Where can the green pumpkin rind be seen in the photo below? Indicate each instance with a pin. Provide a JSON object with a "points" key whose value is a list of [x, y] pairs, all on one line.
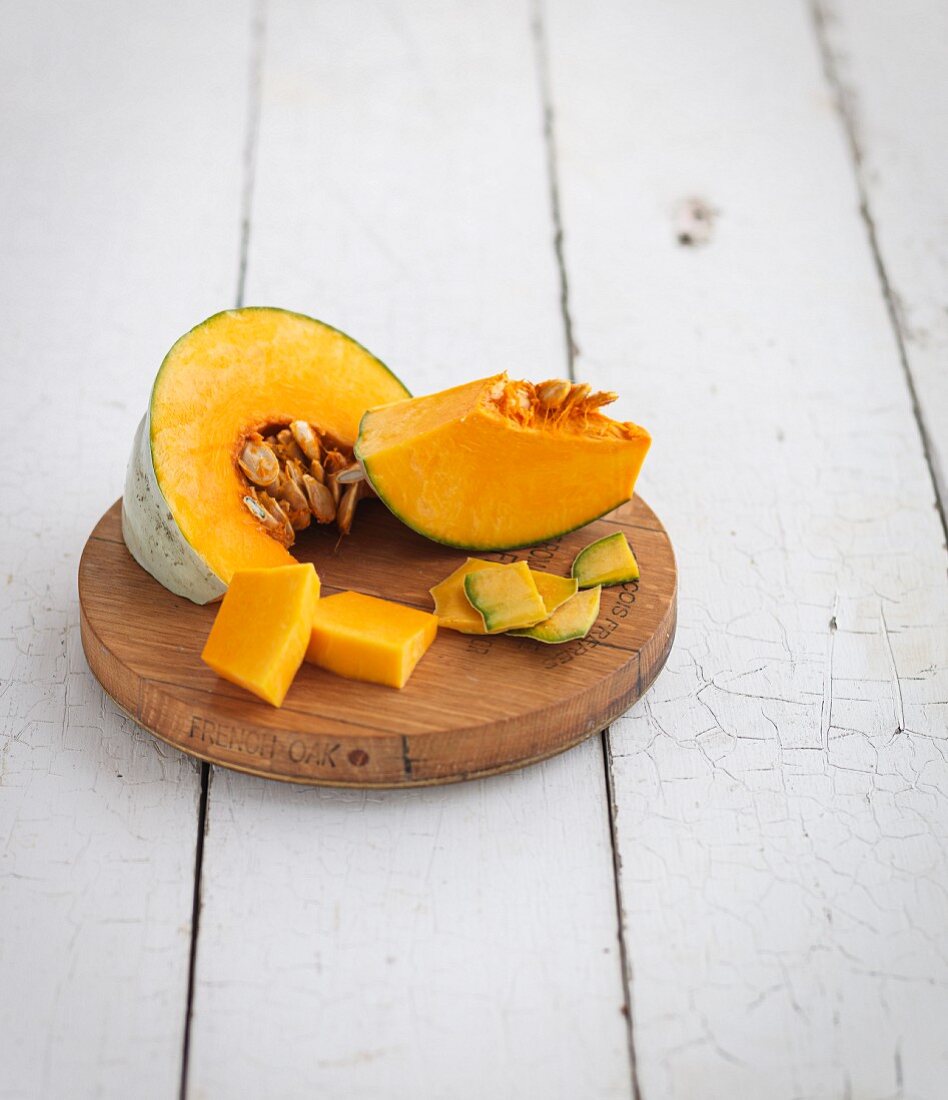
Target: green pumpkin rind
{"points": [[616, 547], [571, 620]]}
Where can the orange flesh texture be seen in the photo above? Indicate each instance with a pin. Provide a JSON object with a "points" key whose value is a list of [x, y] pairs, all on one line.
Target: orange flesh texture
{"points": [[237, 372], [262, 628], [554, 590], [460, 471], [506, 597], [365, 638]]}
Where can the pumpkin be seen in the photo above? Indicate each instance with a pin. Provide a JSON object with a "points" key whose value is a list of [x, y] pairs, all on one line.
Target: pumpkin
{"points": [[571, 620], [262, 629], [606, 561], [498, 464], [366, 638], [247, 439], [454, 609], [505, 597], [451, 604]]}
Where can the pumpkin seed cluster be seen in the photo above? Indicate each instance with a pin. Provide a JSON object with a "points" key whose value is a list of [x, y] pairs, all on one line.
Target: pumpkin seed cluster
{"points": [[558, 404], [295, 475]]}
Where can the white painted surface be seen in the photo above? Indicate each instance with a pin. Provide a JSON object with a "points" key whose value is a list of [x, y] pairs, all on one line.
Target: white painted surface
{"points": [[783, 792], [119, 214], [891, 61], [781, 796], [448, 943]]}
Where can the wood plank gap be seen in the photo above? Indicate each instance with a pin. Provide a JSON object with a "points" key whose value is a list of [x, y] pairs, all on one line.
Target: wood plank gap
{"points": [[612, 810], [844, 100], [549, 142], [195, 923]]}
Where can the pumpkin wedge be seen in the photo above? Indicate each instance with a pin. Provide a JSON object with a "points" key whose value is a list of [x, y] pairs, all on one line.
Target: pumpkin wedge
{"points": [[247, 439], [571, 620], [454, 609], [498, 464], [451, 605], [606, 561], [505, 597]]}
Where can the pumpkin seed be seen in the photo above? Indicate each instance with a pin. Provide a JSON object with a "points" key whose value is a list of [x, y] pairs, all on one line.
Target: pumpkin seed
{"points": [[335, 461], [256, 509], [279, 526], [306, 439], [259, 463], [553, 393], [347, 506], [287, 490], [577, 396], [349, 475], [320, 499], [597, 400], [289, 445]]}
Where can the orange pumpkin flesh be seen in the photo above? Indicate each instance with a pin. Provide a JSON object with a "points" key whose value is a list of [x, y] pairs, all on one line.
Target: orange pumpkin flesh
{"points": [[488, 466], [262, 629], [238, 372], [366, 638]]}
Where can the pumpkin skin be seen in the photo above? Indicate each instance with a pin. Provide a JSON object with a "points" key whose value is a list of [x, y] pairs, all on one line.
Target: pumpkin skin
{"points": [[454, 610], [183, 517], [465, 468], [605, 562], [571, 620], [505, 597]]}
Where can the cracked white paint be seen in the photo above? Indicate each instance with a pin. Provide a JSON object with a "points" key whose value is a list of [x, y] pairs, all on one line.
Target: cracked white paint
{"points": [[891, 62], [117, 218], [782, 794]]}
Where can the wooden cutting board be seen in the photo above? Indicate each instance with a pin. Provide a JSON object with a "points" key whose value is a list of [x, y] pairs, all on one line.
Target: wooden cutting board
{"points": [[475, 706]]}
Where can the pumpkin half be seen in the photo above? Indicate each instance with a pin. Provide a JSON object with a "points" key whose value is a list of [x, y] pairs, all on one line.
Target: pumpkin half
{"points": [[498, 464], [190, 512]]}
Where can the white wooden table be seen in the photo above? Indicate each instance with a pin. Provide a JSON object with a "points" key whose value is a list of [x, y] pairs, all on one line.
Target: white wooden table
{"points": [[741, 889]]}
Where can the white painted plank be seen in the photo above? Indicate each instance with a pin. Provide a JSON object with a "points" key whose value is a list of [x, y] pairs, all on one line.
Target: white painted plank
{"points": [[458, 942], [783, 792], [891, 61], [119, 221]]}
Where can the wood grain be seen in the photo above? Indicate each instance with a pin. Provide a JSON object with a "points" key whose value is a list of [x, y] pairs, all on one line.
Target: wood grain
{"points": [[474, 706]]}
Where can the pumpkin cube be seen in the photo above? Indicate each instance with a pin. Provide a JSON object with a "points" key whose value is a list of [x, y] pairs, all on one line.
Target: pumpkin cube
{"points": [[260, 635], [365, 638]]}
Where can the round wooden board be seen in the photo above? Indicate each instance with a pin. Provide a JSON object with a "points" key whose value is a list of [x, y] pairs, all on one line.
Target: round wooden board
{"points": [[475, 706]]}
